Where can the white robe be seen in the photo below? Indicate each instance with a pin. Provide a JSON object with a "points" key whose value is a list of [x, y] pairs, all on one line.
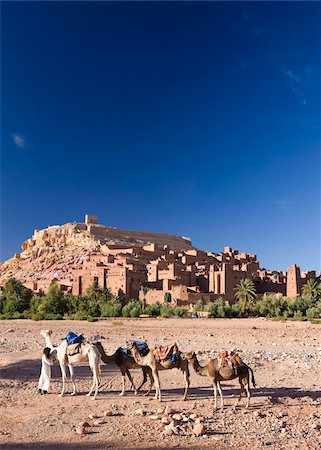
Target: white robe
{"points": [[45, 374]]}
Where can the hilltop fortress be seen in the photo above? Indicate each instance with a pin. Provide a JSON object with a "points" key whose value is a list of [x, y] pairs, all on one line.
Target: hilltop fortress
{"points": [[76, 254]]}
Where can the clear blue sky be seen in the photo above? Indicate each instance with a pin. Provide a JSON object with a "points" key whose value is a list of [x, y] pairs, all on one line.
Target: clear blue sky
{"points": [[197, 119]]}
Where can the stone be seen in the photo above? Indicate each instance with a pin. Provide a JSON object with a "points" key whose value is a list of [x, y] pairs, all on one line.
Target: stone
{"points": [[199, 420], [83, 423], [139, 412], [81, 430], [199, 429], [177, 417], [169, 410], [154, 417], [92, 416], [166, 420], [108, 413]]}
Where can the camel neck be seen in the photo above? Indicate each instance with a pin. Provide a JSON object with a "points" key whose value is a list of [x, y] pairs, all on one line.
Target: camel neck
{"points": [[107, 359], [48, 342], [198, 368], [137, 356]]}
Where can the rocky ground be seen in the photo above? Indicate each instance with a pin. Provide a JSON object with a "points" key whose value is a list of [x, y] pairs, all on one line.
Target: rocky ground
{"points": [[285, 411]]}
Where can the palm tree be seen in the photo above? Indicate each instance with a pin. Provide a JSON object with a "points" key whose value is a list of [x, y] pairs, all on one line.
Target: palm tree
{"points": [[144, 290], [312, 287], [245, 294], [167, 297]]}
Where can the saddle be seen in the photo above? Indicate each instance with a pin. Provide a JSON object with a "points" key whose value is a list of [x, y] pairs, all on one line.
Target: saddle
{"points": [[73, 349], [230, 360], [141, 345], [74, 342], [166, 352]]}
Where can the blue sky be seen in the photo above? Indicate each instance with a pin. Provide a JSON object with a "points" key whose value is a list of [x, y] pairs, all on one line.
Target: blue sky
{"points": [[197, 119]]}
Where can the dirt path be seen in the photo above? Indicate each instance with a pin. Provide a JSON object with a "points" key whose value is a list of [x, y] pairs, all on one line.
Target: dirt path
{"points": [[285, 410]]}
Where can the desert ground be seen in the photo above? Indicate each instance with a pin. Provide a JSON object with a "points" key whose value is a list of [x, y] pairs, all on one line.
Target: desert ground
{"points": [[285, 409]]}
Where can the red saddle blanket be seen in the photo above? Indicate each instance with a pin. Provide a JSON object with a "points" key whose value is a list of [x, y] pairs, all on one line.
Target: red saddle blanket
{"points": [[163, 352], [230, 360]]}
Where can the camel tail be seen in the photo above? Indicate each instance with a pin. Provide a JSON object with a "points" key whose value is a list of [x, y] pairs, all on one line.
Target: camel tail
{"points": [[252, 376]]}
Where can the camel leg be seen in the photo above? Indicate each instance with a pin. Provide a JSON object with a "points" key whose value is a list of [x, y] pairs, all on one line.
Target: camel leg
{"points": [[72, 377], [131, 381], [151, 383], [123, 376], [248, 394], [95, 383], [187, 383], [63, 376], [143, 382], [215, 394], [241, 391], [221, 394], [158, 395]]}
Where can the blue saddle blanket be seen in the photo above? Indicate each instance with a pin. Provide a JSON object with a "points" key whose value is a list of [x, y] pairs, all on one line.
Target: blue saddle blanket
{"points": [[73, 338], [141, 345]]}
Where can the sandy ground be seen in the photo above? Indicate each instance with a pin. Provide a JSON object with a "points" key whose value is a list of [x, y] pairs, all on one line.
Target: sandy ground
{"points": [[285, 411]]}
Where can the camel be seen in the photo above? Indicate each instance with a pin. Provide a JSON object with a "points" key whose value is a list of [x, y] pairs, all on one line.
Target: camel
{"points": [[155, 365], [125, 363], [88, 353], [217, 374]]}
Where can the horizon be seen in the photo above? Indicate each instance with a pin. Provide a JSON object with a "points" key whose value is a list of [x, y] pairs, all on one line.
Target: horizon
{"points": [[193, 119]]}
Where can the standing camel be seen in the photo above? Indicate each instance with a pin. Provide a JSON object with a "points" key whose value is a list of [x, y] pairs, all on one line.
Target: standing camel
{"points": [[125, 363], [155, 365], [88, 353], [216, 373]]}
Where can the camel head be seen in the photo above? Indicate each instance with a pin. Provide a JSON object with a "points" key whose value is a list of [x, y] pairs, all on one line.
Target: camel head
{"points": [[190, 356], [131, 345], [45, 333]]}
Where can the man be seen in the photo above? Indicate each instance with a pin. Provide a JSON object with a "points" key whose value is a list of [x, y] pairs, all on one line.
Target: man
{"points": [[47, 361]]}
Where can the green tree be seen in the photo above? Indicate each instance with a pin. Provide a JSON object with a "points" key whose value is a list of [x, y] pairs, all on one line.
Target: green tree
{"points": [[312, 287], [245, 294], [144, 290], [132, 309], [153, 309], [15, 298], [167, 297], [54, 302]]}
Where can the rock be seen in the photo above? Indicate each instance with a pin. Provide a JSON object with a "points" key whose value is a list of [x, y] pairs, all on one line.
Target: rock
{"points": [[96, 423], [199, 429], [160, 410], [177, 417], [193, 416], [168, 431], [139, 412], [92, 416], [108, 413], [154, 417], [83, 423], [169, 410], [166, 420], [81, 430], [199, 420]]}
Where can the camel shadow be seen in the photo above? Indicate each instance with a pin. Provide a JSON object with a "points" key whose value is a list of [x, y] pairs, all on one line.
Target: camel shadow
{"points": [[278, 395], [29, 370], [87, 446]]}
